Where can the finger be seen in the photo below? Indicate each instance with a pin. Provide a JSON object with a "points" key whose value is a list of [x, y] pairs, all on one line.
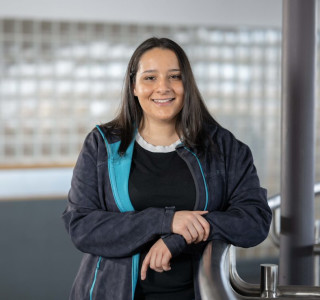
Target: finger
{"points": [[156, 266], [187, 236], [206, 226], [153, 261], [166, 262], [166, 268], [193, 232], [159, 270], [199, 239], [158, 261], [200, 231], [145, 266]]}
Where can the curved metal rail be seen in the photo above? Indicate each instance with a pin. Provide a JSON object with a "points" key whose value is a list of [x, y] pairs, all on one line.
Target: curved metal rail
{"points": [[213, 278], [216, 283], [274, 203], [239, 285]]}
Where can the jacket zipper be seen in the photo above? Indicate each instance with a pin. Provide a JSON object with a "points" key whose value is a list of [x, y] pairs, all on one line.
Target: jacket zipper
{"points": [[135, 269], [203, 177], [95, 277]]}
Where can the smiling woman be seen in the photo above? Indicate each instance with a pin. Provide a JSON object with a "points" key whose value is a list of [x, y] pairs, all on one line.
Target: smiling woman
{"points": [[153, 186], [160, 92]]}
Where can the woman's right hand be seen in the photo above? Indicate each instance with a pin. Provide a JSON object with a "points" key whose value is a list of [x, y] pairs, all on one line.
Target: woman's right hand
{"points": [[191, 225]]}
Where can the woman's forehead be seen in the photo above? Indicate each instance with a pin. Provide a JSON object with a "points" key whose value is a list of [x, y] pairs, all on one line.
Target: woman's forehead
{"points": [[157, 59]]}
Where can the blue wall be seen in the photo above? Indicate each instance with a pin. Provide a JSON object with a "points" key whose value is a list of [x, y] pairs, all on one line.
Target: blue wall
{"points": [[38, 260]]}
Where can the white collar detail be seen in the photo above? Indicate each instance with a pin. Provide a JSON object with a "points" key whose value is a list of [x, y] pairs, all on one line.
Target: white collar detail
{"points": [[152, 148]]}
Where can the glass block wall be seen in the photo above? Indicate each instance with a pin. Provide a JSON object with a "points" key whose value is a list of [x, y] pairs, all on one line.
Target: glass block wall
{"points": [[59, 79]]}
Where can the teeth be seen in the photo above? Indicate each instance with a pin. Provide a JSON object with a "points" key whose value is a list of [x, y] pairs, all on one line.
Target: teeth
{"points": [[162, 100]]}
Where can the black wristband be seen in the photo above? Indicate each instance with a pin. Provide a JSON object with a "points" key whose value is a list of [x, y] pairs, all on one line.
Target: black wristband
{"points": [[167, 220]]}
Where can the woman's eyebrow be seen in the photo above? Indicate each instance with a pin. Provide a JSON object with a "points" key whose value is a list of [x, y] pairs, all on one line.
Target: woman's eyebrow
{"points": [[149, 71], [154, 71]]}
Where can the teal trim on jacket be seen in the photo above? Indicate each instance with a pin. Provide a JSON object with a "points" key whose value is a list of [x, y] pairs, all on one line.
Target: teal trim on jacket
{"points": [[119, 172]]}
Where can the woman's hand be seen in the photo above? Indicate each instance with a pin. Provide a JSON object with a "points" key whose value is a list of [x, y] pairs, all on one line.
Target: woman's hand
{"points": [[158, 259], [191, 225]]}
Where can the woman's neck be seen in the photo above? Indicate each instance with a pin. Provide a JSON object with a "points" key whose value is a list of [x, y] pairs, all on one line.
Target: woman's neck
{"points": [[158, 134]]}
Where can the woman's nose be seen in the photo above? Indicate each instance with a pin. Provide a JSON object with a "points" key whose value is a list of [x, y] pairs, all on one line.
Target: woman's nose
{"points": [[163, 85]]}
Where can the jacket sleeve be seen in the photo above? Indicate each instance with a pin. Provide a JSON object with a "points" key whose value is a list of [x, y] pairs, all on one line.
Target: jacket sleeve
{"points": [[97, 231], [246, 218]]}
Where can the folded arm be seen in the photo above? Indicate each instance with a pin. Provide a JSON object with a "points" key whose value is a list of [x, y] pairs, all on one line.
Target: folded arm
{"points": [[98, 231]]}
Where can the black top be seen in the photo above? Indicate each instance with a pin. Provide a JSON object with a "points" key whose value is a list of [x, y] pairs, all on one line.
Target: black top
{"points": [[160, 180]]}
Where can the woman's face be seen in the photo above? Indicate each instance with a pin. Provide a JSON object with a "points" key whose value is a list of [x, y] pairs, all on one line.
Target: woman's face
{"points": [[159, 86]]}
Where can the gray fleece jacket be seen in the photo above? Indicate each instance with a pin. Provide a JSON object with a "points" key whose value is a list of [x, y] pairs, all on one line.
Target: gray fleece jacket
{"points": [[102, 222]]}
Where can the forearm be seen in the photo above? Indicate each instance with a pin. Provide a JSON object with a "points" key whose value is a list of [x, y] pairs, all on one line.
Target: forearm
{"points": [[115, 234], [244, 224]]}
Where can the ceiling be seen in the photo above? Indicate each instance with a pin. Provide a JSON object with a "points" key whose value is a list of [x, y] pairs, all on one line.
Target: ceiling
{"points": [[179, 12]]}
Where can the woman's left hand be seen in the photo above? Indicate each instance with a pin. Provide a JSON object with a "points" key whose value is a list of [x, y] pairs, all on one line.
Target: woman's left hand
{"points": [[158, 259]]}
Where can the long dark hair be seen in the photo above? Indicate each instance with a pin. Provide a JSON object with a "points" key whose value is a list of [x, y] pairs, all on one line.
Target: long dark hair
{"points": [[191, 119]]}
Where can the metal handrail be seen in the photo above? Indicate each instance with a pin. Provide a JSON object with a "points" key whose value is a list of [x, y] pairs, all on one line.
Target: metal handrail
{"points": [[213, 278], [239, 285], [274, 203], [216, 283], [249, 289]]}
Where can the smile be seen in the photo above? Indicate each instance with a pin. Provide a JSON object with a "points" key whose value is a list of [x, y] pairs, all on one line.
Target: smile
{"points": [[163, 100]]}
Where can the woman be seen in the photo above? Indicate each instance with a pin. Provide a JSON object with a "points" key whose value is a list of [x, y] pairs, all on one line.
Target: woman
{"points": [[152, 187]]}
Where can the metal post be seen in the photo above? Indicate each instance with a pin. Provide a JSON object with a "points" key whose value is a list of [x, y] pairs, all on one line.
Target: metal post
{"points": [[268, 281], [316, 254], [298, 142]]}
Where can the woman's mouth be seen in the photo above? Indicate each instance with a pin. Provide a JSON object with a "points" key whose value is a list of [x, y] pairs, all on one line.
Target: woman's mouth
{"points": [[161, 101]]}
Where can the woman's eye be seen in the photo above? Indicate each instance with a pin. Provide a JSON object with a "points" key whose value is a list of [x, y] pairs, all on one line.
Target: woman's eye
{"points": [[150, 78], [176, 76]]}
